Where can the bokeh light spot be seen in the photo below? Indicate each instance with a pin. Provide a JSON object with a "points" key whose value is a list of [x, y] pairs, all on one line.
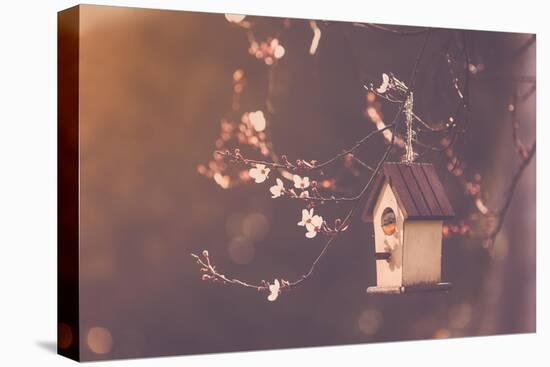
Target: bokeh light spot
{"points": [[499, 251], [241, 250], [100, 340], [370, 321], [257, 119], [279, 52], [255, 226], [238, 75], [233, 225], [460, 315], [371, 97], [222, 180], [442, 333], [64, 335]]}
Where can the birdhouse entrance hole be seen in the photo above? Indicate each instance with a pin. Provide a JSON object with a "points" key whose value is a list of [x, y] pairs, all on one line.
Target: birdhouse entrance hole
{"points": [[388, 222]]}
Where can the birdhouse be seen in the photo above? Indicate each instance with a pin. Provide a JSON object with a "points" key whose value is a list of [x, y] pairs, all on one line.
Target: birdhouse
{"points": [[407, 207]]}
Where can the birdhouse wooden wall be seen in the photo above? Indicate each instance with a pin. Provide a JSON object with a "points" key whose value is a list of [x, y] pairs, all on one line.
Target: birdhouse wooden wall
{"points": [[414, 247], [422, 252], [388, 273]]}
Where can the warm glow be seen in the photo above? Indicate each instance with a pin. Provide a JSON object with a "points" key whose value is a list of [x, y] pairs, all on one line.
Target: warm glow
{"points": [[100, 340], [442, 333], [279, 51], [238, 88], [222, 180], [327, 184], [374, 115], [238, 75], [257, 120], [371, 97], [65, 336]]}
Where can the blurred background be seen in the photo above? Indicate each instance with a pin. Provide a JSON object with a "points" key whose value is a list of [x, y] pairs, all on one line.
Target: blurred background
{"points": [[154, 86]]}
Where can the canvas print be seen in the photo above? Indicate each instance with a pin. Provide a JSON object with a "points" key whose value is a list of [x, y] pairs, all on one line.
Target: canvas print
{"points": [[236, 182]]}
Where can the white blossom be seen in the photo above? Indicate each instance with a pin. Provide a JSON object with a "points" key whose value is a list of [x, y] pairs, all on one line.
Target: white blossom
{"points": [[259, 173], [234, 18], [278, 189], [312, 222], [385, 84], [306, 217], [274, 290], [314, 226], [300, 182]]}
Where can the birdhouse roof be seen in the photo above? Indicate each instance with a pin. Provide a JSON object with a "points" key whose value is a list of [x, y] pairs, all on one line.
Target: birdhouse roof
{"points": [[418, 190]]}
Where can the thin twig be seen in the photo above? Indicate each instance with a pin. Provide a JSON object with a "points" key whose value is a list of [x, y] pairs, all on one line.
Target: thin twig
{"points": [[302, 165], [347, 220], [213, 275], [363, 164]]}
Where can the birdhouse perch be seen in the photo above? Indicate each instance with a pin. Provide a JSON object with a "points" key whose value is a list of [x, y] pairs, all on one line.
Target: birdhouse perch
{"points": [[407, 207]]}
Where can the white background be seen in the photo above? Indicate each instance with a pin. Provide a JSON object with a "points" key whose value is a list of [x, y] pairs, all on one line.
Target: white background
{"points": [[28, 182]]}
